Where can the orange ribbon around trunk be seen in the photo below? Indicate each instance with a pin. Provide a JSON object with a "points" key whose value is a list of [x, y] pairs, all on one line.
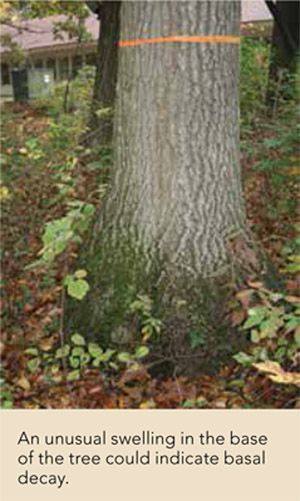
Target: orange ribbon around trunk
{"points": [[180, 38]]}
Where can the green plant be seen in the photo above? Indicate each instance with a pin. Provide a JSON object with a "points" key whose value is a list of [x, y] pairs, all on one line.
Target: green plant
{"points": [[197, 339], [254, 78], [7, 399], [68, 229], [199, 403], [73, 358], [273, 325], [291, 252], [150, 325], [76, 94], [76, 284]]}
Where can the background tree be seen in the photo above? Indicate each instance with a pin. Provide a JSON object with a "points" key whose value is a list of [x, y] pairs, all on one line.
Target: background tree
{"points": [[100, 123], [285, 47]]}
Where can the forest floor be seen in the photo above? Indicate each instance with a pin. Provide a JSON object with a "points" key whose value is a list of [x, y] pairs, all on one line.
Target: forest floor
{"points": [[40, 169]]}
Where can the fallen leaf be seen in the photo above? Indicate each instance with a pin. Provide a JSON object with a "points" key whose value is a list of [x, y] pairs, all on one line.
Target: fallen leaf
{"points": [[24, 383], [237, 317], [221, 404], [256, 285], [275, 372], [245, 296], [96, 389], [292, 299], [149, 404], [47, 343]]}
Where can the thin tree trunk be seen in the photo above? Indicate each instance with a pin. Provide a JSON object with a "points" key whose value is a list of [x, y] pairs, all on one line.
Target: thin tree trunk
{"points": [[284, 51], [100, 127]]}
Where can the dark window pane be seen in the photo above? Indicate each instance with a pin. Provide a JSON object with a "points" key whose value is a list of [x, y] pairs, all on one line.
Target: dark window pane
{"points": [[38, 64], [50, 65]]}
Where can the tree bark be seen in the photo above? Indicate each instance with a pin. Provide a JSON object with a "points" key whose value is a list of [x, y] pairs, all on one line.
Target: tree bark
{"points": [[101, 127], [176, 182], [174, 219]]}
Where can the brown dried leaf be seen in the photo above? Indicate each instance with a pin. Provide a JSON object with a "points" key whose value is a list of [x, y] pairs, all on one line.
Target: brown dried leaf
{"points": [[245, 296], [24, 383], [292, 299], [256, 285], [274, 372], [47, 343], [221, 404], [292, 285], [237, 317]]}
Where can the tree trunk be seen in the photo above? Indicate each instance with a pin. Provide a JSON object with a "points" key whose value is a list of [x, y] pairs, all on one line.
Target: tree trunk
{"points": [[175, 218], [100, 127], [284, 51], [176, 184]]}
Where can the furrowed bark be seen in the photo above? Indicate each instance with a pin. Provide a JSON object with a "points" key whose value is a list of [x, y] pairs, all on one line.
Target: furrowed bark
{"points": [[173, 225], [176, 183]]}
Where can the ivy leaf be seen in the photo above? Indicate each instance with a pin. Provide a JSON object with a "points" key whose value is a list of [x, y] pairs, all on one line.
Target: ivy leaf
{"points": [[255, 338], [78, 340], [196, 339], [105, 357], [84, 359], [77, 352], [256, 316], [124, 357], [77, 288], [8, 404], [141, 352], [291, 324], [188, 404], [88, 210], [243, 359], [292, 268], [63, 351], [297, 336], [33, 364], [74, 362], [73, 375], [269, 328], [96, 362], [32, 351], [80, 274], [94, 350]]}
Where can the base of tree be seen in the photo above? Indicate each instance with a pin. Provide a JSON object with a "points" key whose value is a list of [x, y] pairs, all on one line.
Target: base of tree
{"points": [[195, 334]]}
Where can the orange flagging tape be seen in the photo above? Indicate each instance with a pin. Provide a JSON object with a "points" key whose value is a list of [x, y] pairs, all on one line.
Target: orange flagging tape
{"points": [[180, 38]]}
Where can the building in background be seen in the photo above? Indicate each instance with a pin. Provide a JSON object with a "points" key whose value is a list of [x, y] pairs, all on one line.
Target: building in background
{"points": [[48, 59]]}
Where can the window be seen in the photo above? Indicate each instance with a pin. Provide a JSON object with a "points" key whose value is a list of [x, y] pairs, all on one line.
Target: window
{"points": [[50, 65], [38, 64], [5, 75]]}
